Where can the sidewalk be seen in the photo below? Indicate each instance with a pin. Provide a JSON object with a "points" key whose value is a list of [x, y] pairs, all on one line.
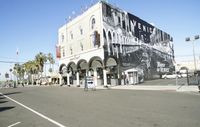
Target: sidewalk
{"points": [[182, 88], [178, 88]]}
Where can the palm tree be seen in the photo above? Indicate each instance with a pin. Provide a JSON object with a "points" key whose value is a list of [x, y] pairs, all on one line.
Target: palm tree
{"points": [[51, 61], [40, 59], [19, 72], [36, 66], [15, 72], [31, 68]]}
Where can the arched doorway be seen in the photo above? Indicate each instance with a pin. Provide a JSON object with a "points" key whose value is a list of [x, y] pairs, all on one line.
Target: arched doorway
{"points": [[96, 68], [82, 69], [183, 70], [64, 74], [72, 69], [110, 43], [112, 69], [105, 39]]}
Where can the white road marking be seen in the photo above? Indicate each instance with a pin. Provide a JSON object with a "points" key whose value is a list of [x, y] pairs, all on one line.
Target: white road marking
{"points": [[39, 114], [14, 124]]}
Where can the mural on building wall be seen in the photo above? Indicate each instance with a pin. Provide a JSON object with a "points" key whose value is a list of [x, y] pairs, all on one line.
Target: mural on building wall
{"points": [[136, 43]]}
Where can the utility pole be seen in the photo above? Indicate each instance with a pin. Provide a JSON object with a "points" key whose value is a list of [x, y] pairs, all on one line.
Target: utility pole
{"points": [[189, 39]]}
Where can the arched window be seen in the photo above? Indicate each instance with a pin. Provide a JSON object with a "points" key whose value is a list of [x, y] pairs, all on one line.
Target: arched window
{"points": [[105, 39], [93, 22], [71, 51], [110, 43], [62, 37], [104, 36], [63, 52], [71, 35], [114, 38], [81, 45], [109, 37], [81, 31]]}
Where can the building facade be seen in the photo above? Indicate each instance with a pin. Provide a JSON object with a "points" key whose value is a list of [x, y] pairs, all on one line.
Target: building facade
{"points": [[188, 65], [113, 46]]}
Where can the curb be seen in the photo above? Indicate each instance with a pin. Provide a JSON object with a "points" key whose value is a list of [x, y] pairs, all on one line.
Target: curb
{"points": [[160, 88]]}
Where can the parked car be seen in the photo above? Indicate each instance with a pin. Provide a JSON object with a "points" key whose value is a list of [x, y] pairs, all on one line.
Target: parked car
{"points": [[183, 75], [171, 76], [45, 80]]}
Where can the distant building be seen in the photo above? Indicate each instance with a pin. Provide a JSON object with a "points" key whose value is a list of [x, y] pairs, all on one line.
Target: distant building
{"points": [[113, 46], [189, 65]]}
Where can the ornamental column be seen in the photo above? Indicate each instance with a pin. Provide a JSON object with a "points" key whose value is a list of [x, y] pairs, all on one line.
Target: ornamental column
{"points": [[77, 79], [95, 76], [68, 82], [104, 77]]}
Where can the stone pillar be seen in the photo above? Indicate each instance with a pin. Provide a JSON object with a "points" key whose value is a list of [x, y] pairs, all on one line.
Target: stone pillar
{"points": [[77, 79], [68, 82], [104, 77], [60, 80], [95, 77], [119, 74], [89, 73]]}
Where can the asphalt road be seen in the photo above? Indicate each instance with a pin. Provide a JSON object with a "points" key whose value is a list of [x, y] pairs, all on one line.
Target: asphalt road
{"points": [[73, 107]]}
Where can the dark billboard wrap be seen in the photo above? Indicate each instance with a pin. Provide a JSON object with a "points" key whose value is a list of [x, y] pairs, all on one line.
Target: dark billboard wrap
{"points": [[146, 32], [135, 44], [140, 28]]}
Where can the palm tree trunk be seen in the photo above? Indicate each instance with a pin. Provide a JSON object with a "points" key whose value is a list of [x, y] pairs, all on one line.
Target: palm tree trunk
{"points": [[16, 84]]}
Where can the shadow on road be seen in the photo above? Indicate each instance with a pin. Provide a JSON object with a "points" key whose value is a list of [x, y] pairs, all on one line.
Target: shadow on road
{"points": [[6, 108], [10, 93], [1, 97], [3, 102]]}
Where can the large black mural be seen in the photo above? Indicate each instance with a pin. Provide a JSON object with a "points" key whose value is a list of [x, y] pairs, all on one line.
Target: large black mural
{"points": [[136, 43]]}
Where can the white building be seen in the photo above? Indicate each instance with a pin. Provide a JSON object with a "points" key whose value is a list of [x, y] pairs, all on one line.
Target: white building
{"points": [[113, 46], [188, 64]]}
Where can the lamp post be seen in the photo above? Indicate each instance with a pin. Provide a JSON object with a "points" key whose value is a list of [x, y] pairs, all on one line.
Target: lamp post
{"points": [[11, 74], [188, 39]]}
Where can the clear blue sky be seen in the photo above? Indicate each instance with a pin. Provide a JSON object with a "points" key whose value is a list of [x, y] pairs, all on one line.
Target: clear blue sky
{"points": [[32, 25]]}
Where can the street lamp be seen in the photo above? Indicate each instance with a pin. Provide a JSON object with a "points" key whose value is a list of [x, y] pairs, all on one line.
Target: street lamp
{"points": [[196, 37], [10, 74]]}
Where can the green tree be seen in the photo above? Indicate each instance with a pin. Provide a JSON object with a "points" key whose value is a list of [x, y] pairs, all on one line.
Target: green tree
{"points": [[31, 69], [40, 59], [19, 71], [51, 61]]}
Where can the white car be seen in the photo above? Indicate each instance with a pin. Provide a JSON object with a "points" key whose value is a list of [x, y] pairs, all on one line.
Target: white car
{"points": [[183, 75], [170, 76]]}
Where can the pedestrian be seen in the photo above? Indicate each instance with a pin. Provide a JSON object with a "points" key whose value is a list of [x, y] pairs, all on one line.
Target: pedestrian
{"points": [[23, 84], [127, 82], [86, 84]]}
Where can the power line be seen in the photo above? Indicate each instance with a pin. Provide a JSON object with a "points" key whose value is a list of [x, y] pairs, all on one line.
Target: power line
{"points": [[19, 62], [10, 62], [3, 57], [184, 55]]}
